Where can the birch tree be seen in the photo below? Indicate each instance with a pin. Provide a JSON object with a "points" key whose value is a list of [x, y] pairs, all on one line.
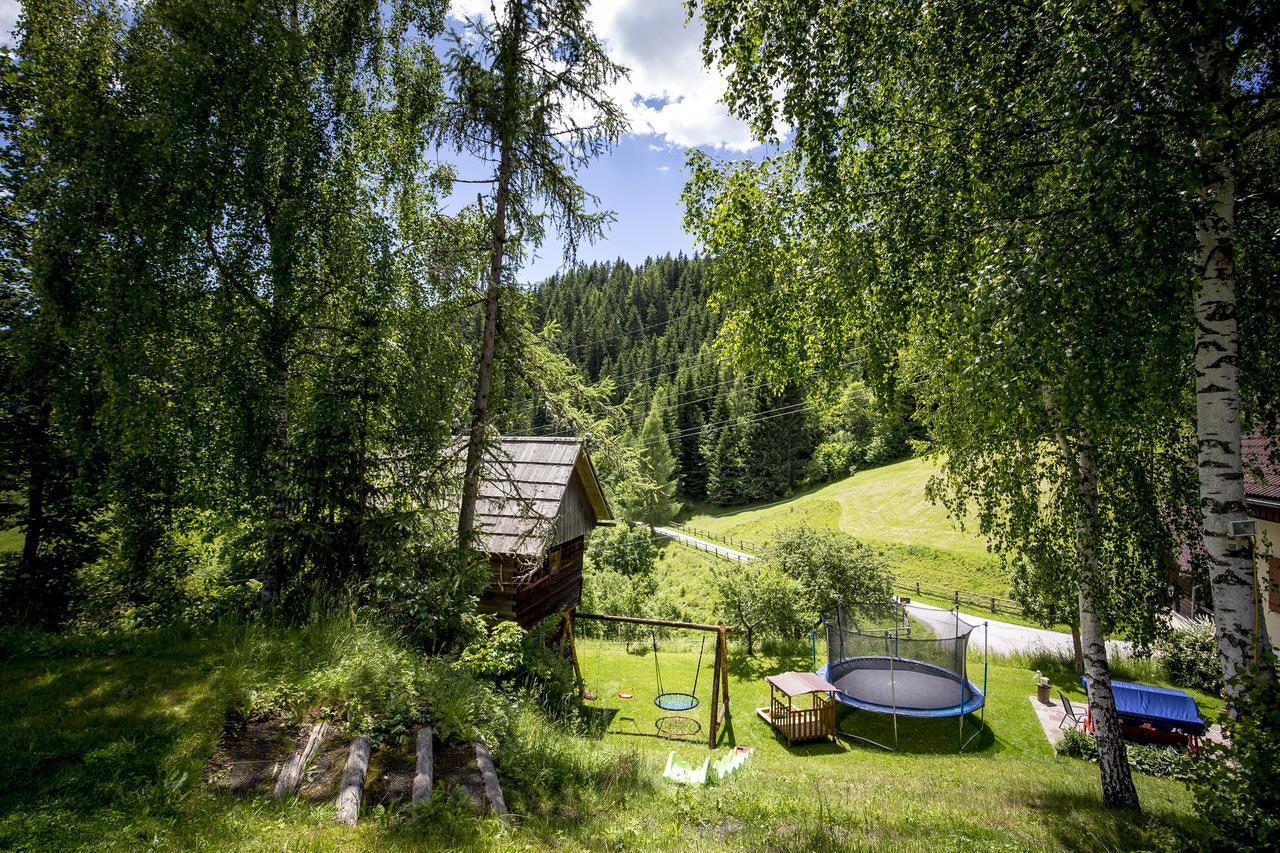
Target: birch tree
{"points": [[1191, 86], [530, 99], [949, 209]]}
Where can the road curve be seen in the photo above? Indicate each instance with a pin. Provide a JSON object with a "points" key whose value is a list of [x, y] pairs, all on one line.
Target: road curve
{"points": [[1002, 637]]}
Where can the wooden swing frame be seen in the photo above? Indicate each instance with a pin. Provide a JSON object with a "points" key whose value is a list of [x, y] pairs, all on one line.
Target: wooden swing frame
{"points": [[719, 707]]}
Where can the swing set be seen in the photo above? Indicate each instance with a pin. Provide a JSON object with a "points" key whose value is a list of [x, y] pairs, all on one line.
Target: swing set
{"points": [[675, 701]]}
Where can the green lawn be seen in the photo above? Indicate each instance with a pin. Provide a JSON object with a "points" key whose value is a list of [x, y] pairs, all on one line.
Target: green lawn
{"points": [[106, 744], [11, 539], [884, 507], [1007, 791]]}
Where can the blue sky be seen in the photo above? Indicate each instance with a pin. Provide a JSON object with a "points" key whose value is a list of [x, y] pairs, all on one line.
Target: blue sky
{"points": [[673, 103]]}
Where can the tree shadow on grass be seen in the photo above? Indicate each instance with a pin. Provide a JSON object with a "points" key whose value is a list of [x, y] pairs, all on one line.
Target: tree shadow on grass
{"points": [[96, 735], [746, 668], [1079, 821], [916, 735]]}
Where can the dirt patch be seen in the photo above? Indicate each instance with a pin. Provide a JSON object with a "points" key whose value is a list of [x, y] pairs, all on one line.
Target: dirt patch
{"points": [[321, 778], [250, 754], [390, 779], [456, 765]]}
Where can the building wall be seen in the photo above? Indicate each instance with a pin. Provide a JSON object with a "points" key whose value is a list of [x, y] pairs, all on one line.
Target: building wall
{"points": [[1267, 550]]}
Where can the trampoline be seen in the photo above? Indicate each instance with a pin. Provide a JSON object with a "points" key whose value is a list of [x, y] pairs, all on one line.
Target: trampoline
{"points": [[917, 668]]}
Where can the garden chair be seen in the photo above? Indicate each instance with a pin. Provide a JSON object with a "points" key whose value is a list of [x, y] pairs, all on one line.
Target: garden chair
{"points": [[1069, 713]]}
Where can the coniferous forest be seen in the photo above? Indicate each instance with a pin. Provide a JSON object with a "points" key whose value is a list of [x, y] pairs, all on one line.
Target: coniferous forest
{"points": [[648, 332]]}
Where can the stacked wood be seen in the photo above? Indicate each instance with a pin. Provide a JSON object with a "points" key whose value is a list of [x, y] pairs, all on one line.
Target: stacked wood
{"points": [[351, 790], [291, 774], [423, 779], [492, 788]]}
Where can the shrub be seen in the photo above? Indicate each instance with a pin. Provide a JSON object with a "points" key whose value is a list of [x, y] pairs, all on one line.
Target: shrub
{"points": [[358, 674], [627, 549], [1165, 761], [1189, 657], [495, 653], [1239, 794]]}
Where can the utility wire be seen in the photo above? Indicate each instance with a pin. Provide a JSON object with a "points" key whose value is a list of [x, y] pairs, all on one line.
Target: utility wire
{"points": [[635, 332]]}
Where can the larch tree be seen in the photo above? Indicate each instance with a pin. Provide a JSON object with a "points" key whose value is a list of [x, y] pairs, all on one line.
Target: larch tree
{"points": [[229, 217], [529, 97]]}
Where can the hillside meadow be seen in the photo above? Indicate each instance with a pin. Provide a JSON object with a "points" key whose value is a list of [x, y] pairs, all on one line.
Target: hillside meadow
{"points": [[125, 762]]}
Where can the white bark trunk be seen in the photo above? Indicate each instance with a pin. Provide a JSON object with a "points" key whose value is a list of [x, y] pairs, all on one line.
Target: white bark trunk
{"points": [[1239, 629], [1118, 790]]}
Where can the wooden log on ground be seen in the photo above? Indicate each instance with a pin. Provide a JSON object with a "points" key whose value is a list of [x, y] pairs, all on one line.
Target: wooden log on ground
{"points": [[351, 790], [423, 778], [291, 774], [492, 788]]}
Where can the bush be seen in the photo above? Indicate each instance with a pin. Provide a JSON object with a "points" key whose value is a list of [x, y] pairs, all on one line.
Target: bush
{"points": [[1164, 761], [359, 675], [1239, 794], [627, 549], [1189, 657]]}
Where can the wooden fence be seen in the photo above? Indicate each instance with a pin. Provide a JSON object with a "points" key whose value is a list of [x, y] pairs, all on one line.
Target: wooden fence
{"points": [[958, 597]]}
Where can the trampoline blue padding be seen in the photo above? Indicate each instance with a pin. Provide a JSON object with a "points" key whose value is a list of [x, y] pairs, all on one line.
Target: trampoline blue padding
{"points": [[905, 686], [1162, 707]]}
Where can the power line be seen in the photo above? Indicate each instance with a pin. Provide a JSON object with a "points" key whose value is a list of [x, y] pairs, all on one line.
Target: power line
{"points": [[632, 332]]}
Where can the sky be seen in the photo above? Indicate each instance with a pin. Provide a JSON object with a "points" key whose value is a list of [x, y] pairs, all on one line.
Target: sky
{"points": [[673, 104]]}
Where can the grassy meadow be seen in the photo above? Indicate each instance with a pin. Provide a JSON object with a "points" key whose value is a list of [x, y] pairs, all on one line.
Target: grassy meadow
{"points": [[884, 507], [108, 744]]}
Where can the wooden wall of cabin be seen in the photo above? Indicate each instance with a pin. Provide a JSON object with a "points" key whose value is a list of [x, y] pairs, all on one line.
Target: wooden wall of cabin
{"points": [[529, 598]]}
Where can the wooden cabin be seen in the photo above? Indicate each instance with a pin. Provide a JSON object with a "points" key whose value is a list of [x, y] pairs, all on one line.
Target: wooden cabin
{"points": [[539, 497]]}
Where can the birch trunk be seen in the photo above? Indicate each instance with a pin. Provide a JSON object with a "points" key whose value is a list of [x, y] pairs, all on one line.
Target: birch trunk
{"points": [[1076, 647], [1118, 790], [1239, 627]]}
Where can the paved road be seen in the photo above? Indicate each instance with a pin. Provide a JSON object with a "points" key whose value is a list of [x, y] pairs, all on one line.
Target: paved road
{"points": [[1006, 637], [1003, 637], [704, 545]]}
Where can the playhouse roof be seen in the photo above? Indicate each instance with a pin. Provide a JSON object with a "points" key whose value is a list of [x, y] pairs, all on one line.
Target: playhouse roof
{"points": [[800, 683]]}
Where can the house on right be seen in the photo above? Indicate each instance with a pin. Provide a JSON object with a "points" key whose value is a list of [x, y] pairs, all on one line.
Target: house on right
{"points": [[1262, 494]]}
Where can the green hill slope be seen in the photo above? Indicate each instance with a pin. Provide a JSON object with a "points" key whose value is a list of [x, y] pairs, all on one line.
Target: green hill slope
{"points": [[885, 507]]}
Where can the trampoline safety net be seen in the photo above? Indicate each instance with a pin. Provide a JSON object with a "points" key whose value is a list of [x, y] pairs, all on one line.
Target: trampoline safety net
{"points": [[920, 666]]}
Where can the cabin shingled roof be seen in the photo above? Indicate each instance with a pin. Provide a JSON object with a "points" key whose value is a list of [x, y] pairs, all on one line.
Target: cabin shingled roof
{"points": [[523, 484]]}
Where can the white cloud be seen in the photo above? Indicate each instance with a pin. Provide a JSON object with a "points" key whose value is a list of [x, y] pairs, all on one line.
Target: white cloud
{"points": [[664, 168], [9, 11], [670, 94]]}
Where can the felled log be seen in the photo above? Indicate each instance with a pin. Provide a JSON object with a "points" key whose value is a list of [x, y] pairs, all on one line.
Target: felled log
{"points": [[423, 778], [351, 790], [291, 774], [492, 788]]}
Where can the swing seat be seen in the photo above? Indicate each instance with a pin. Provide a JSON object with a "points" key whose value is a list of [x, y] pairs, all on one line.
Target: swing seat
{"points": [[675, 701]]}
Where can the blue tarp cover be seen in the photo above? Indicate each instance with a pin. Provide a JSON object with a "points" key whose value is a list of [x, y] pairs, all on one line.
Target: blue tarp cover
{"points": [[1162, 707]]}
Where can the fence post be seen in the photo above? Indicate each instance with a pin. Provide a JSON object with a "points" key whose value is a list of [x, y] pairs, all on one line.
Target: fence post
{"points": [[956, 597]]}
